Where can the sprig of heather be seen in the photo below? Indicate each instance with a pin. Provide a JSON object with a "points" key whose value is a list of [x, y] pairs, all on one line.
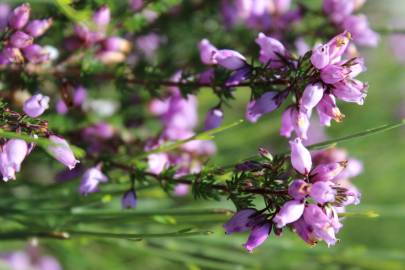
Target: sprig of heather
{"points": [[18, 41]]}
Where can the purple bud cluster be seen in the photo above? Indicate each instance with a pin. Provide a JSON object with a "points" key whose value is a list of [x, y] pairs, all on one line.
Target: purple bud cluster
{"points": [[19, 46], [320, 193], [110, 49]]}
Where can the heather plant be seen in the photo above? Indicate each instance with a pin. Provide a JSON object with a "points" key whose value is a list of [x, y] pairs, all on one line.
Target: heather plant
{"points": [[102, 139]]}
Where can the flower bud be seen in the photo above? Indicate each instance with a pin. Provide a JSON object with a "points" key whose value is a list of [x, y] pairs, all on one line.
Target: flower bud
{"points": [[291, 211], [37, 28], [207, 51], [20, 40], [90, 181], [229, 59], [35, 54], [270, 51], [19, 17], [320, 56], [36, 105], [60, 150], [311, 96], [129, 199], [265, 154], [213, 118], [12, 155], [116, 44], [257, 236], [323, 192], [240, 221], [300, 157]]}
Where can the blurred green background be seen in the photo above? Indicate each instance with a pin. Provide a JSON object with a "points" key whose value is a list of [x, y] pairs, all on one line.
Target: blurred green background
{"points": [[366, 243]]}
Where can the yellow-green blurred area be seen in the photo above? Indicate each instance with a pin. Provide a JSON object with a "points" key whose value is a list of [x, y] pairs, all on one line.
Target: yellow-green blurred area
{"points": [[366, 243]]}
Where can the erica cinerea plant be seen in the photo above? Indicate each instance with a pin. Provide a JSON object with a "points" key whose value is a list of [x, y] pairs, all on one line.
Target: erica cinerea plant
{"points": [[109, 101]]}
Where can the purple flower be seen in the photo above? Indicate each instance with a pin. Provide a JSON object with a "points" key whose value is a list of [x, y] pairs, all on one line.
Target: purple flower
{"points": [[323, 192], [287, 119], [334, 73], [291, 211], [60, 150], [181, 190], [350, 91], [157, 163], [20, 40], [301, 124], [229, 59], [257, 236], [362, 34], [4, 14], [129, 199], [12, 55], [36, 105], [268, 102], [136, 4], [213, 119], [271, 51], [327, 110], [356, 67], [239, 76], [338, 46], [12, 154], [37, 28], [207, 51], [99, 130], [322, 225], [320, 56], [304, 231], [35, 54], [102, 17], [91, 179], [298, 189], [116, 44], [300, 157], [79, 95], [61, 107], [328, 171], [241, 221], [311, 96], [19, 17], [338, 10]]}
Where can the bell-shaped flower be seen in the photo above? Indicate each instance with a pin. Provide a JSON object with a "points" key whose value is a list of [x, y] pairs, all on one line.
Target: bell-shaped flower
{"points": [[298, 189], [320, 56], [36, 105], [19, 17], [213, 119], [268, 102], [257, 236], [311, 96], [323, 192], [12, 154], [271, 51], [207, 51], [60, 150], [241, 221], [20, 40], [229, 59], [327, 171], [36, 28], [351, 91], [129, 199], [291, 211], [300, 157], [91, 179]]}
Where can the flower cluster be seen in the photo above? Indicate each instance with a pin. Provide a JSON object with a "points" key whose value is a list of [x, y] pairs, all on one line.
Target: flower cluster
{"points": [[19, 46], [340, 13], [263, 15], [179, 118], [320, 192], [110, 49]]}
